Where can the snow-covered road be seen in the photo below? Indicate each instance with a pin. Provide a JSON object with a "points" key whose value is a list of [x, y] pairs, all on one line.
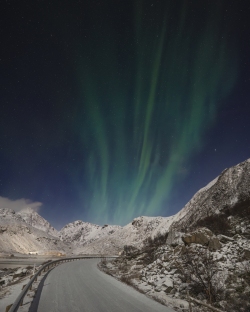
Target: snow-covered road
{"points": [[80, 286]]}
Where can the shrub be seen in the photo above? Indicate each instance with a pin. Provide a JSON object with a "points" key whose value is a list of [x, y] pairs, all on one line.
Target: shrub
{"points": [[201, 272], [218, 224], [158, 240], [104, 261], [241, 209], [129, 250]]}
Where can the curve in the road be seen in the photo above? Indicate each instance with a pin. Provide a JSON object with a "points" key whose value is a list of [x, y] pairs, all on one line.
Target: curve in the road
{"points": [[80, 286]]}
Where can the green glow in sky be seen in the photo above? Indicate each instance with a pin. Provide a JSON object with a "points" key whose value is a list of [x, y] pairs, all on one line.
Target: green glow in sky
{"points": [[147, 99]]}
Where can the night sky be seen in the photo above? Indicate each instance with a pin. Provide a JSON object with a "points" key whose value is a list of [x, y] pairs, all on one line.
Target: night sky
{"points": [[116, 109]]}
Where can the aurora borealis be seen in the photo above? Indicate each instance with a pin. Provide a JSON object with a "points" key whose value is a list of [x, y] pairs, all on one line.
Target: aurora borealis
{"points": [[113, 106]]}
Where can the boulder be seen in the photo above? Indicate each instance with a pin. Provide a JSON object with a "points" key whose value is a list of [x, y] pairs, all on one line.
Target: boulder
{"points": [[109, 265], [179, 249], [202, 236], [168, 283], [174, 238], [214, 243], [158, 288], [225, 239], [19, 273], [145, 287]]}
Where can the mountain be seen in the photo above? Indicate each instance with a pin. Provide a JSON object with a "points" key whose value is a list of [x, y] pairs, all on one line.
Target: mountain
{"points": [[229, 192], [206, 257], [17, 235], [132, 234], [227, 195], [33, 219], [80, 233]]}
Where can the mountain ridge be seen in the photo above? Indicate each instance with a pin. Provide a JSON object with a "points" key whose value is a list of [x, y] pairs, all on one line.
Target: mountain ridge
{"points": [[230, 188]]}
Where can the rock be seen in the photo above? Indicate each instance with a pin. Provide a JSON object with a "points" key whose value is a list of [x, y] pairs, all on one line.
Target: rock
{"points": [[174, 238], [175, 271], [219, 257], [109, 266], [151, 281], [168, 290], [168, 282], [179, 249], [237, 236], [202, 236], [19, 273], [158, 288], [230, 267], [145, 288], [214, 243], [183, 286], [224, 239], [246, 254]]}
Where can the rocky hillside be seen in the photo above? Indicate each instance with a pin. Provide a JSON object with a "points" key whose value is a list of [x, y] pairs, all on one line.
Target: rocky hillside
{"points": [[18, 236], [205, 259], [202, 268], [225, 196], [228, 192]]}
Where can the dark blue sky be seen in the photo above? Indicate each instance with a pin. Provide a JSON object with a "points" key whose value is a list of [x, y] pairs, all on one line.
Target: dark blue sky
{"points": [[111, 110]]}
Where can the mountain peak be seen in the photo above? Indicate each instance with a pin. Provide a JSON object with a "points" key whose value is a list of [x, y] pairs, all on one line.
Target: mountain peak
{"points": [[32, 218], [27, 210]]}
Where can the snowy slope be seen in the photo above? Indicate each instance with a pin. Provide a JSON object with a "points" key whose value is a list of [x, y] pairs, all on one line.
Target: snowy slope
{"points": [[33, 219], [133, 233], [80, 233], [17, 235], [230, 188]]}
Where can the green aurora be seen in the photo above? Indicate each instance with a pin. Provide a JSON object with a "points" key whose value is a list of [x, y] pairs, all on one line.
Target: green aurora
{"points": [[150, 91]]}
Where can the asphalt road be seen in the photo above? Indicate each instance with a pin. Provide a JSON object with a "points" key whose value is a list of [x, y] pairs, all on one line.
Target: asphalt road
{"points": [[79, 286]]}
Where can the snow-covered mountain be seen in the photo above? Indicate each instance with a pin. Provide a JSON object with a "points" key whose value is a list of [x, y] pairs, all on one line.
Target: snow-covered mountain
{"points": [[133, 234], [230, 189], [33, 219], [207, 252], [17, 235], [80, 233], [9, 215]]}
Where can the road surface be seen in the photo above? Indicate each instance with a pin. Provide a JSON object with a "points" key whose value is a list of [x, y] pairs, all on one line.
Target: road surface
{"points": [[79, 286]]}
